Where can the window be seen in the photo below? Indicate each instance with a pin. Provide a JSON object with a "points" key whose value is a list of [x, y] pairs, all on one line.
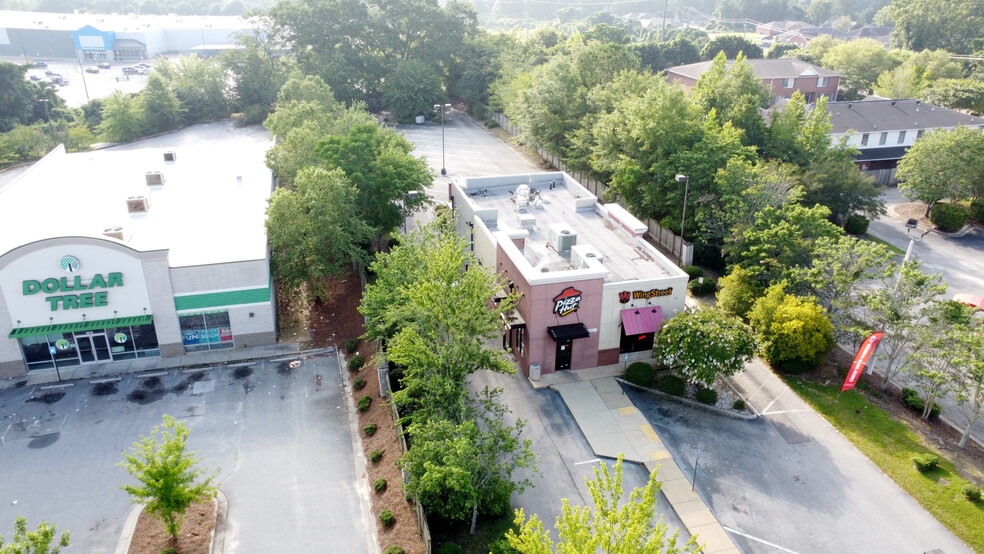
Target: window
{"points": [[864, 139], [206, 331], [823, 81], [919, 134], [883, 138], [788, 83], [901, 137]]}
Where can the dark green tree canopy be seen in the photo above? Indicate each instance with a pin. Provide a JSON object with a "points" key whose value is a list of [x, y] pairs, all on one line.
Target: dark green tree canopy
{"points": [[732, 46]]}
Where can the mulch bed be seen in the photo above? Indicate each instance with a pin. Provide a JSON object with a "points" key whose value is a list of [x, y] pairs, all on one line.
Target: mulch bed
{"points": [[332, 323], [195, 536]]}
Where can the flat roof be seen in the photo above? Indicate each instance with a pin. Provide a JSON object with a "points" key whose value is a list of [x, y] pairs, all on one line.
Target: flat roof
{"points": [[567, 204], [868, 116], [131, 22], [762, 68], [202, 214]]}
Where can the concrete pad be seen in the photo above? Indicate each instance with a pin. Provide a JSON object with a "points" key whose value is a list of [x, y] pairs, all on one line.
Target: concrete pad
{"points": [[596, 423], [581, 398], [668, 470], [657, 455], [628, 410], [606, 385], [713, 538], [615, 400], [694, 513], [610, 445], [678, 490]]}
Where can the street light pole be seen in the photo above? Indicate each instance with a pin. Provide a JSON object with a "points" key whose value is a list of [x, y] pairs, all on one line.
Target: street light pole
{"points": [[683, 219], [443, 108], [909, 226]]}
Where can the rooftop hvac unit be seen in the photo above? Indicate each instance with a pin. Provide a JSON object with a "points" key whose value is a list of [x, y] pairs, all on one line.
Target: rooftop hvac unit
{"points": [[155, 178], [561, 237], [581, 253], [117, 233], [137, 204], [170, 156]]}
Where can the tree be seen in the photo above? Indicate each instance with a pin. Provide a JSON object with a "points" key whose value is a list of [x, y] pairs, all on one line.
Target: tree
{"points": [[790, 328], [707, 344], [968, 383], [956, 94], [168, 475], [257, 67], [840, 269], [122, 119], [458, 471], [605, 527], [412, 89], [899, 308], [937, 356], [944, 163], [731, 46], [158, 106], [916, 73], [33, 542], [780, 240], [833, 181], [17, 97], [738, 291], [780, 50], [925, 24], [201, 85], [860, 62], [315, 230], [390, 181], [736, 94]]}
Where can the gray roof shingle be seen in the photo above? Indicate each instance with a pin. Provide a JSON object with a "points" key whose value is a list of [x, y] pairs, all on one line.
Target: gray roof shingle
{"points": [[893, 115]]}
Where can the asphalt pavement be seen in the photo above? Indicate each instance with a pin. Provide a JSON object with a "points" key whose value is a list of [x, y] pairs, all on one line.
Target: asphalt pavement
{"points": [[281, 444], [959, 258]]}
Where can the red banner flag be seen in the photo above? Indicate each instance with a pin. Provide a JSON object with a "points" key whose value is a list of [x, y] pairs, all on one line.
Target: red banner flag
{"points": [[861, 360]]}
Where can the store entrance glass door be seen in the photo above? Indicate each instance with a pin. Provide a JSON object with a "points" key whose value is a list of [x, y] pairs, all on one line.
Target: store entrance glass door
{"points": [[563, 360], [93, 348]]}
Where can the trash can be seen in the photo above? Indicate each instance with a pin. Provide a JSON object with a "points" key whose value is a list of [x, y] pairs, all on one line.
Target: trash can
{"points": [[534, 372]]}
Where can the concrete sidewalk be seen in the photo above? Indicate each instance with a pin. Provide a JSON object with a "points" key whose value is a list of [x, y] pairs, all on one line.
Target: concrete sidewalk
{"points": [[112, 369], [613, 426]]}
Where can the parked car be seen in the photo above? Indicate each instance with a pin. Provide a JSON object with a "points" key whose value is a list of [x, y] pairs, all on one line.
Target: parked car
{"points": [[92, 69], [40, 64], [142, 66], [34, 77], [130, 70], [49, 72], [103, 65], [146, 70], [59, 80]]}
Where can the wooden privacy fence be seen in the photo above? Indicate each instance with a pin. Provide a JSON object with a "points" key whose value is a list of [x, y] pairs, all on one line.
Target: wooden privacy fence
{"points": [[663, 237]]}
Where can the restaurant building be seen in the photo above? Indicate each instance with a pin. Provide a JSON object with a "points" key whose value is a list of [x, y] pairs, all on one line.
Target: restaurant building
{"points": [[155, 248], [592, 291]]}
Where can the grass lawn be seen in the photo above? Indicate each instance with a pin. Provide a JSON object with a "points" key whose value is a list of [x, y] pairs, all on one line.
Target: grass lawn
{"points": [[892, 247], [891, 446]]}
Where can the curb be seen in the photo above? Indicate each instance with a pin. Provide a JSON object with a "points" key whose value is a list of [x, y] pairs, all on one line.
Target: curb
{"points": [[695, 404], [218, 532]]}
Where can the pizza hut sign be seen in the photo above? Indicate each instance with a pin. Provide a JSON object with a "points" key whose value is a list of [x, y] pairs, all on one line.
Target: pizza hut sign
{"points": [[567, 302]]}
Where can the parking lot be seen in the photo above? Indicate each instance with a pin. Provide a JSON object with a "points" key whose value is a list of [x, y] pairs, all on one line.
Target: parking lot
{"points": [[83, 86], [281, 444]]}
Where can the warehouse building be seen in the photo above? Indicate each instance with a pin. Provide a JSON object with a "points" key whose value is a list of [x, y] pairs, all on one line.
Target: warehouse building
{"points": [[592, 290], [155, 248]]}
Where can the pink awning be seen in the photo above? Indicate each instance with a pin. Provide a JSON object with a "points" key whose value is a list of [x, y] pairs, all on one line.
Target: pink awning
{"points": [[970, 300], [638, 321]]}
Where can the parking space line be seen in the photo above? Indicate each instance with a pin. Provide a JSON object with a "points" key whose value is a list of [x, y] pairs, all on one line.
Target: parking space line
{"points": [[594, 461], [146, 375], [106, 380], [58, 386], [756, 539]]}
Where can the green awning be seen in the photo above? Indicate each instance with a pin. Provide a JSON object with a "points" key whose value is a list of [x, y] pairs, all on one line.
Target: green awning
{"points": [[91, 325]]}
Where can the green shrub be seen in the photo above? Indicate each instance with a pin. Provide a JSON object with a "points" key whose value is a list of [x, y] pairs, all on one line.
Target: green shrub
{"points": [[912, 399], [671, 384], [926, 462], [977, 210], [949, 217], [379, 485], [698, 288], [972, 493], [707, 396], [359, 383], [387, 518], [364, 403], [169, 551], [693, 271], [448, 548], [640, 373], [351, 345], [856, 224], [394, 550], [355, 364], [796, 366], [370, 429], [491, 124], [375, 456], [739, 405]]}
